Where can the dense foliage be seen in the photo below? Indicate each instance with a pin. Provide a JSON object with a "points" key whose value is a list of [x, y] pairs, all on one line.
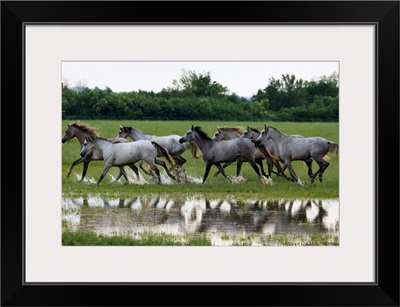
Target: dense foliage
{"points": [[197, 97]]}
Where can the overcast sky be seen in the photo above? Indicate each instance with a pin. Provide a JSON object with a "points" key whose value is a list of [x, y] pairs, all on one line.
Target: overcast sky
{"points": [[242, 78]]}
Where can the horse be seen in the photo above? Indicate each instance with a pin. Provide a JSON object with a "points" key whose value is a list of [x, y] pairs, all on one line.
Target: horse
{"points": [[253, 133], [121, 154], [80, 131], [229, 133], [170, 142], [217, 152], [294, 147], [268, 150]]}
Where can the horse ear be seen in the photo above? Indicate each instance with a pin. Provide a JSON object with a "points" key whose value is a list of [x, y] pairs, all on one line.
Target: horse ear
{"points": [[192, 127], [219, 130], [120, 127]]}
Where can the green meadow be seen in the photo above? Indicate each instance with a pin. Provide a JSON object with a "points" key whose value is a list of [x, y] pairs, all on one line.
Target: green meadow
{"points": [[217, 187]]}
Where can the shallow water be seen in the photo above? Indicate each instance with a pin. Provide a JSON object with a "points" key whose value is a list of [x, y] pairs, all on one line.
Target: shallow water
{"points": [[219, 220]]}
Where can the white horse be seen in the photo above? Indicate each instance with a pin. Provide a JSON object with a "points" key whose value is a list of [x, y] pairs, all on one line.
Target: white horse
{"points": [[293, 147], [170, 142], [120, 154]]}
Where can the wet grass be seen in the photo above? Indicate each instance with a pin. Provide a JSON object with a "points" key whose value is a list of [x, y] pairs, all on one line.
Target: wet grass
{"points": [[81, 238], [215, 187]]}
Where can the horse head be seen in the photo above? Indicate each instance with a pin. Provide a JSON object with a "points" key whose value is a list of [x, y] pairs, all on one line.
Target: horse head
{"points": [[123, 132], [262, 136], [246, 133], [88, 145], [69, 134], [188, 136], [217, 135]]}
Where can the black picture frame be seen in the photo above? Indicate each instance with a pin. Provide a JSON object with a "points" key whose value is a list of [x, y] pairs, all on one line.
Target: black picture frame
{"points": [[383, 14]]}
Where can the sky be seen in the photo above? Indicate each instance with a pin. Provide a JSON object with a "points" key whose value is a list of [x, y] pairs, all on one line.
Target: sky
{"points": [[242, 78]]}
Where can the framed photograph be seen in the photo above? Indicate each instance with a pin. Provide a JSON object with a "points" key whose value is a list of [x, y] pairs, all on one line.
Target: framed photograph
{"points": [[340, 231]]}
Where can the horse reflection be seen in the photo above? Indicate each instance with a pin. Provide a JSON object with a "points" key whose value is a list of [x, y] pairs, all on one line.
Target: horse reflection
{"points": [[191, 216]]}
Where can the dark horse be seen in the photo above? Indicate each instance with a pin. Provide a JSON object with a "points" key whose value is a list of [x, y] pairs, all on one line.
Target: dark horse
{"points": [[217, 152]]}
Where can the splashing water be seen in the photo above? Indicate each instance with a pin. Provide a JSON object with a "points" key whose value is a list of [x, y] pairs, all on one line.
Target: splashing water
{"points": [[265, 180], [238, 179], [86, 179]]}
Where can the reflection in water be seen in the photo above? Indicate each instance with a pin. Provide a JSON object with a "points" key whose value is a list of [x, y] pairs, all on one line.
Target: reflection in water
{"points": [[193, 216]]}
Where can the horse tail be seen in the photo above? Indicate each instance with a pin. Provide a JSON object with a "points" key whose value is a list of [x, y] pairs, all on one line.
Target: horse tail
{"points": [[266, 151], [164, 152], [326, 158], [195, 150], [333, 147]]}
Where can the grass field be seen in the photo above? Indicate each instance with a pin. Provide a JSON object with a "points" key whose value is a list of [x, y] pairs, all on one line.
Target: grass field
{"points": [[215, 186]]}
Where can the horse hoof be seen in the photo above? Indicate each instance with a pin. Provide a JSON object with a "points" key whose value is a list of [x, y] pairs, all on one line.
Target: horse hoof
{"points": [[312, 180], [320, 179]]}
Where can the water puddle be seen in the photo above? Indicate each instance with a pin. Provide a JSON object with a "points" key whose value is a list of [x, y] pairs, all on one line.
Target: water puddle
{"points": [[223, 222]]}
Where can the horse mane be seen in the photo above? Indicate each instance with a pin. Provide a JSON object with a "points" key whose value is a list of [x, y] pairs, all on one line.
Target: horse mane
{"points": [[130, 129], [277, 130], [85, 128], [237, 129], [202, 134], [99, 138], [254, 129]]}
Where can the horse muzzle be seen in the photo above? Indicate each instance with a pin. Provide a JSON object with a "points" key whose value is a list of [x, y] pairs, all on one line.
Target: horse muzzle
{"points": [[257, 143], [83, 153], [182, 140]]}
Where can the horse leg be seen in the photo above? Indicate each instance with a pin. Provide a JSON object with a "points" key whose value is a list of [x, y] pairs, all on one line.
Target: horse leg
{"points": [[270, 167], [284, 175], [80, 160], [293, 173], [105, 170], [157, 174], [309, 165], [135, 170], [179, 160], [162, 163], [123, 173], [278, 168], [221, 169], [260, 162], [223, 166], [239, 163], [254, 166], [208, 166], [85, 167], [147, 172], [322, 167]]}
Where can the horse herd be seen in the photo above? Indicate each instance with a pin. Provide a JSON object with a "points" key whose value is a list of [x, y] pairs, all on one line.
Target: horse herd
{"points": [[228, 145]]}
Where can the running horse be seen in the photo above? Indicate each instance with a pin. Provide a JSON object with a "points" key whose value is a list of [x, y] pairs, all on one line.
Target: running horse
{"points": [[294, 147], [121, 154], [217, 152], [80, 131], [229, 133], [170, 142]]}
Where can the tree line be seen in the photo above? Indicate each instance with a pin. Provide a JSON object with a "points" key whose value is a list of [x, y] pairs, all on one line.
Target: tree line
{"points": [[195, 96]]}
